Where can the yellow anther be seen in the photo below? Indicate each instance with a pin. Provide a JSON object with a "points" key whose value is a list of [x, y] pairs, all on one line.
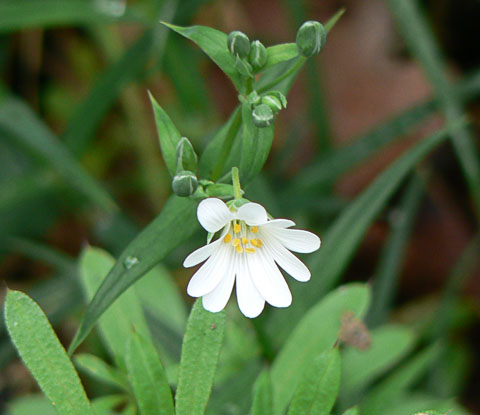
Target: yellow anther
{"points": [[236, 242], [244, 240], [254, 229], [239, 249], [254, 242], [259, 243], [250, 250], [227, 238], [236, 228]]}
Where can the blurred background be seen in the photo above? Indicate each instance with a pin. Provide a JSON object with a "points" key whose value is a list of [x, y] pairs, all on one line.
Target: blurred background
{"points": [[80, 162]]}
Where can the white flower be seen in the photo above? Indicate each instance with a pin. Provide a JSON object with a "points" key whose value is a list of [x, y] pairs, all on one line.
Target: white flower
{"points": [[248, 250]]}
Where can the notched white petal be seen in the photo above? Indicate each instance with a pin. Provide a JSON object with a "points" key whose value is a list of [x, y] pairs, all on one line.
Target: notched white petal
{"points": [[297, 240], [278, 223], [217, 299], [213, 214], [201, 254], [249, 300], [252, 214]]}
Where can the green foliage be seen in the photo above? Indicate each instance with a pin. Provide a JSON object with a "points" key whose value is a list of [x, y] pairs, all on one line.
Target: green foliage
{"points": [[97, 368], [200, 351], [262, 395], [44, 356]]}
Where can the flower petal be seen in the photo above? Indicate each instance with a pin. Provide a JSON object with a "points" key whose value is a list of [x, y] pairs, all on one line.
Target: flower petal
{"points": [[297, 240], [201, 254], [286, 260], [268, 279], [213, 214], [252, 214], [250, 302], [279, 223], [207, 278], [217, 299]]}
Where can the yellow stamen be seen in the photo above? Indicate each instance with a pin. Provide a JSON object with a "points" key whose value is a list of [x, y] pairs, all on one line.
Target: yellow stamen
{"points": [[254, 242], [254, 229], [259, 243], [239, 249], [236, 242], [227, 238], [244, 240], [250, 250], [236, 228]]}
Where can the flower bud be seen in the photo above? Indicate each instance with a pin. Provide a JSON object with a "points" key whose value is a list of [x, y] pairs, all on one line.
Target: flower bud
{"points": [[253, 98], [273, 102], [262, 116], [280, 97], [311, 38], [186, 157], [184, 183], [243, 67], [258, 55], [238, 44]]}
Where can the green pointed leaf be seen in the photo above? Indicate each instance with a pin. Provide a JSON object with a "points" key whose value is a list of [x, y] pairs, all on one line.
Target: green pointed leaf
{"points": [[125, 314], [315, 333], [256, 144], [105, 405], [352, 411], [168, 136], [200, 352], [262, 395], [175, 224], [318, 388], [148, 378], [97, 368], [33, 404], [280, 53], [214, 44], [44, 356]]}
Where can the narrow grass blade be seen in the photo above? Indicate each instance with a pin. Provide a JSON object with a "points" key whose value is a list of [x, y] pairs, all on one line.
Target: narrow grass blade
{"points": [[317, 390], [200, 352], [147, 377], [421, 42], [97, 368], [175, 224], [262, 395], [44, 356]]}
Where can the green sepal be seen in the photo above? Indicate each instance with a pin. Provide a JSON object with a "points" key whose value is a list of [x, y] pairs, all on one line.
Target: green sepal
{"points": [[186, 157]]}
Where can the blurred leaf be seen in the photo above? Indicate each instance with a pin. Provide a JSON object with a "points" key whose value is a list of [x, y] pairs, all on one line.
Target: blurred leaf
{"points": [[147, 377], [175, 224], [421, 41], [97, 368], [318, 388], [361, 367], [168, 136], [17, 15], [32, 404], [262, 395], [22, 125], [256, 143], [352, 411], [315, 333], [125, 313], [214, 44], [421, 404], [104, 405], [280, 53], [44, 356], [200, 351]]}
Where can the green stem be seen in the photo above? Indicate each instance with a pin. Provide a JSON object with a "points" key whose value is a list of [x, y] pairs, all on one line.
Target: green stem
{"points": [[236, 183], [298, 64]]}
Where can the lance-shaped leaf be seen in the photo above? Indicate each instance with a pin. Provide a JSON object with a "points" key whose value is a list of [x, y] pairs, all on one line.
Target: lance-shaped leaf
{"points": [[44, 356], [168, 135], [148, 378], [352, 411], [318, 388], [262, 395], [256, 144], [315, 333], [280, 53], [214, 44], [97, 368], [200, 351], [175, 224]]}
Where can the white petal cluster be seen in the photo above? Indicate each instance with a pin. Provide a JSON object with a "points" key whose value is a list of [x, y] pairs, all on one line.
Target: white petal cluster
{"points": [[246, 254]]}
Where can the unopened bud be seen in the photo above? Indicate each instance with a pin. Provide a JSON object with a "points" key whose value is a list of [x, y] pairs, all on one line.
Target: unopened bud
{"points": [[311, 38], [262, 116], [184, 183], [243, 67], [186, 156], [258, 55], [238, 44], [280, 97], [273, 102]]}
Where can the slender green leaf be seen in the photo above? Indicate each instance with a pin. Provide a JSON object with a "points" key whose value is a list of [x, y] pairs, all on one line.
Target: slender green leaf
{"points": [[214, 44], [352, 411], [17, 15], [97, 368], [168, 136], [105, 405], [32, 404], [200, 353], [21, 124], [280, 53], [318, 388], [44, 356], [147, 377], [315, 333], [421, 42], [262, 395], [175, 224]]}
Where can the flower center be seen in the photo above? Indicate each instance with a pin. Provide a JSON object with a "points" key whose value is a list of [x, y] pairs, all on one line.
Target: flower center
{"points": [[242, 237]]}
